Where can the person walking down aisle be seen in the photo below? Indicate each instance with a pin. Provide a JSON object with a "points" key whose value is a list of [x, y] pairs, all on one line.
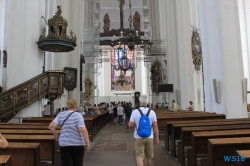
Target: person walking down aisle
{"points": [[174, 106], [74, 136], [111, 113], [115, 115], [144, 145], [120, 113]]}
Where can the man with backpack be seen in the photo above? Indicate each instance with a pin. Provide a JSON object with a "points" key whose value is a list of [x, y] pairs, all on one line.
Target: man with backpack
{"points": [[146, 131]]}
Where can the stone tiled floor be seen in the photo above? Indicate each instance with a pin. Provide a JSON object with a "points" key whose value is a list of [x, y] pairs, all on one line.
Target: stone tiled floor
{"points": [[114, 146]]}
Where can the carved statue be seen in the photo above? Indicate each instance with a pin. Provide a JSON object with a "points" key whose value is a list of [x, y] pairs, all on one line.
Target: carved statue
{"points": [[59, 10], [122, 2], [57, 31], [44, 32], [136, 21], [71, 35], [42, 36], [106, 22]]}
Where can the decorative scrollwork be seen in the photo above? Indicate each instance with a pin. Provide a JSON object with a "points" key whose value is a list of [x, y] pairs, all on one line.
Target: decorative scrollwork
{"points": [[196, 50]]}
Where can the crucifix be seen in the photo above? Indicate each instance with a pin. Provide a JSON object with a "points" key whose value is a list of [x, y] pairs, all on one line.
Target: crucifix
{"points": [[122, 2]]}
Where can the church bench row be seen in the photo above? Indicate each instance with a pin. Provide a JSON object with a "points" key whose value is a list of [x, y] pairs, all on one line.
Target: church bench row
{"points": [[48, 145], [5, 160], [246, 154], [169, 125], [186, 133], [176, 129], [93, 123], [27, 154], [182, 112], [162, 121], [199, 141], [25, 132], [218, 148]]}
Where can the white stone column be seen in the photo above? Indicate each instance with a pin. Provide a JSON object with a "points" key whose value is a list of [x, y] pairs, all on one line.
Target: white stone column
{"points": [[180, 18], [23, 26], [171, 46], [2, 29], [222, 56], [244, 13]]}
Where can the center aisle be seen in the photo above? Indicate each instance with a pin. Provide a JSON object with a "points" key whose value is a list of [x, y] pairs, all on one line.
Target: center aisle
{"points": [[114, 146]]}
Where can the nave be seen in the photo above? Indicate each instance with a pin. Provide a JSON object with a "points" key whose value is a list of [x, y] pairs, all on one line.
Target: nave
{"points": [[187, 138]]}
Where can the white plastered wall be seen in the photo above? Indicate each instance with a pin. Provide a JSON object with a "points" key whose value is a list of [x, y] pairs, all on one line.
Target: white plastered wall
{"points": [[222, 56], [72, 11], [244, 14], [181, 18], [21, 32]]}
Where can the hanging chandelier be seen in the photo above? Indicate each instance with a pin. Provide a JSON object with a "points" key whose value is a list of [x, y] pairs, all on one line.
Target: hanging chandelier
{"points": [[129, 39]]}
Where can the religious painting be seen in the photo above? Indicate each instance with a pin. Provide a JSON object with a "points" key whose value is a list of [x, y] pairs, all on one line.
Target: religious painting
{"points": [[53, 81], [8, 101], [116, 56], [70, 78], [22, 94], [44, 83], [34, 89]]}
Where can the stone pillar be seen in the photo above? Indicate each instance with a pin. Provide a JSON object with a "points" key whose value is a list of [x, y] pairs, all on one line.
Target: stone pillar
{"points": [[186, 81], [222, 57], [23, 26]]}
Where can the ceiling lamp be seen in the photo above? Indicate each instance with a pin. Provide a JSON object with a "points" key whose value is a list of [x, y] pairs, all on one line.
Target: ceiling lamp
{"points": [[131, 38]]}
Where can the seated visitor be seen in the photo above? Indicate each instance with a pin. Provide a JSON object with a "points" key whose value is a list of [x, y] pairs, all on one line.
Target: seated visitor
{"points": [[174, 106], [162, 106], [97, 112], [90, 112], [190, 107]]}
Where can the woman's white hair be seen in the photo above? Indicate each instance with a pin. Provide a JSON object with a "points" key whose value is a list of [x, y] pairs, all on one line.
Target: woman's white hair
{"points": [[143, 99]]}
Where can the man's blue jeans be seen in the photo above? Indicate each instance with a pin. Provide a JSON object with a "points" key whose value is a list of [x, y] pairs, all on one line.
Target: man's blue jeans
{"points": [[120, 119]]}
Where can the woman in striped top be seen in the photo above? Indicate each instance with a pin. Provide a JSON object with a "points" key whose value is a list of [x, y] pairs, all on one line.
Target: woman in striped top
{"points": [[74, 136]]}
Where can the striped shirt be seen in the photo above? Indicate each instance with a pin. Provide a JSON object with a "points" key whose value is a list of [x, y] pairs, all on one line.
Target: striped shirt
{"points": [[70, 134]]}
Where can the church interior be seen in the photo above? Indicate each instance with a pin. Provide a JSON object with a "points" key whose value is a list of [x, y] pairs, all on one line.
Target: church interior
{"points": [[194, 54]]}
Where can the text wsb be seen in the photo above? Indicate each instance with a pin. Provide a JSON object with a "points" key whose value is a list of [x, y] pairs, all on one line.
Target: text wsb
{"points": [[232, 158]]}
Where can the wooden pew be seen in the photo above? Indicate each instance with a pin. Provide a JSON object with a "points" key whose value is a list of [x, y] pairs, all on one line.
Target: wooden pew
{"points": [[93, 123], [246, 154], [186, 133], [26, 127], [218, 148], [200, 139], [23, 153], [162, 121], [170, 124], [25, 132], [5, 160], [48, 145], [176, 129]]}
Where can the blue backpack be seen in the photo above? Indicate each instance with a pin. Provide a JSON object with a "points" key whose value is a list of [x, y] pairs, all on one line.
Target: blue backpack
{"points": [[144, 129]]}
